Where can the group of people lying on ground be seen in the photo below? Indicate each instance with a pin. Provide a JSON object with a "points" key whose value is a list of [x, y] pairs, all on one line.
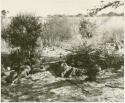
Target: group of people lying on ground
{"points": [[59, 69]]}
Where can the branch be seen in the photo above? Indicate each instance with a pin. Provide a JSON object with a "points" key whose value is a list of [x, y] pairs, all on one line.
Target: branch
{"points": [[114, 4], [113, 86]]}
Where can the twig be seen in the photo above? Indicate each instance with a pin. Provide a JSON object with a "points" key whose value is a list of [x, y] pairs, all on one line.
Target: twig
{"points": [[113, 86]]}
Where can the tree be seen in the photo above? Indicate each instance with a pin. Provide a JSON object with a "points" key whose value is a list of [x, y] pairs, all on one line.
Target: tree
{"points": [[22, 33], [114, 4], [79, 15]]}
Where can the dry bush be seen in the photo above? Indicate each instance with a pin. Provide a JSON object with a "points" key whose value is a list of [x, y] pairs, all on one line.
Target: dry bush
{"points": [[56, 29], [93, 58]]}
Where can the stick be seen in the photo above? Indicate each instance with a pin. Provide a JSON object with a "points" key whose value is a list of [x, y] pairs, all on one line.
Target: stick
{"points": [[113, 86]]}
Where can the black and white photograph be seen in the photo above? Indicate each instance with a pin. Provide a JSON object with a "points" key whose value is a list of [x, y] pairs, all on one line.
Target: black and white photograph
{"points": [[62, 50]]}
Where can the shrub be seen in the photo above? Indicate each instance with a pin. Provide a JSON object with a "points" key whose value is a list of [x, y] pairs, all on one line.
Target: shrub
{"points": [[92, 59], [86, 28], [22, 33], [55, 29]]}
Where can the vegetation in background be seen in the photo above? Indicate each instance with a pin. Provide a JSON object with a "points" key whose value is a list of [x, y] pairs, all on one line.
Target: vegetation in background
{"points": [[55, 30], [110, 14], [115, 36], [86, 28]]}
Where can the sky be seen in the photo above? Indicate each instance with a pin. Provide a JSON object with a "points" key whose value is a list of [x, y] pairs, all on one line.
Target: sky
{"points": [[51, 7]]}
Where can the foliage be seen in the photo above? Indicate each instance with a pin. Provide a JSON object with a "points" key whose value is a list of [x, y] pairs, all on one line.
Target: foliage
{"points": [[55, 29], [22, 33], [5, 61], [92, 59], [112, 14], [113, 4], [86, 28], [113, 60]]}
